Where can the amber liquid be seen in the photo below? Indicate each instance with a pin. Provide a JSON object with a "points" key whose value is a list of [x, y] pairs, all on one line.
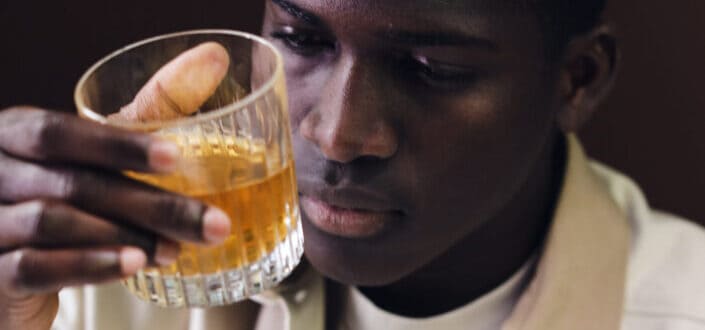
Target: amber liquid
{"points": [[254, 185]]}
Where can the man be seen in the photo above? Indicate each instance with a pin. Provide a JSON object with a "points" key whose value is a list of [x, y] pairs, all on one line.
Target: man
{"points": [[440, 182]]}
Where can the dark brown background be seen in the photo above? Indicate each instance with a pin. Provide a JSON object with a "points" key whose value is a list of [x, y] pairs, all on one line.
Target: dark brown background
{"points": [[651, 127]]}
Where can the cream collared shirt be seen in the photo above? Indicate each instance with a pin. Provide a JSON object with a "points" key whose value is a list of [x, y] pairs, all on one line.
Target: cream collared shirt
{"points": [[487, 312], [610, 262]]}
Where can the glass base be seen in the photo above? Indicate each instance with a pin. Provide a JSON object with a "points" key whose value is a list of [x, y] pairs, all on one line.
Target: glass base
{"points": [[221, 288]]}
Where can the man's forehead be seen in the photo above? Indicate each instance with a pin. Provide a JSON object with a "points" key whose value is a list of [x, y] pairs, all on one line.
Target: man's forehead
{"points": [[461, 15], [410, 6]]}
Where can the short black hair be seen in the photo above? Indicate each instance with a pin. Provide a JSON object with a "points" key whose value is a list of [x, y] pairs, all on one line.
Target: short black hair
{"points": [[564, 19]]}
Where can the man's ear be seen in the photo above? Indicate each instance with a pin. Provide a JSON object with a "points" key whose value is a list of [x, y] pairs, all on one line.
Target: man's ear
{"points": [[587, 74]]}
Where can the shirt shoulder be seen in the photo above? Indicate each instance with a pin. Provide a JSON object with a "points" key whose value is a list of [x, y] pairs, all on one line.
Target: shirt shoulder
{"points": [[665, 286], [666, 277]]}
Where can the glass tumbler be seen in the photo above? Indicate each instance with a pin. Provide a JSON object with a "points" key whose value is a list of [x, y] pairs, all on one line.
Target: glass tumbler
{"points": [[236, 155]]}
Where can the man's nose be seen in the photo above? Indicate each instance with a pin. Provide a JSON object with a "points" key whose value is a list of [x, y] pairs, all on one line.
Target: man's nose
{"points": [[351, 118]]}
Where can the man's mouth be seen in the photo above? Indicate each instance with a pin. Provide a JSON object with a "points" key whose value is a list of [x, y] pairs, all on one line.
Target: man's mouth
{"points": [[346, 219]]}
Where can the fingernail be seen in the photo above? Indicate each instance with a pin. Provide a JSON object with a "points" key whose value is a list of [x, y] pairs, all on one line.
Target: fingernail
{"points": [[216, 226], [166, 253], [163, 156], [131, 260]]}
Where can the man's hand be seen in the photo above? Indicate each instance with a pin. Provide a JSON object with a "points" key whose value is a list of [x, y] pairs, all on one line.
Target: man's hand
{"points": [[67, 215]]}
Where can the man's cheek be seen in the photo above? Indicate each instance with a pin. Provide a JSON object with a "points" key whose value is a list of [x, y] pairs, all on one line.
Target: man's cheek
{"points": [[304, 94], [300, 104]]}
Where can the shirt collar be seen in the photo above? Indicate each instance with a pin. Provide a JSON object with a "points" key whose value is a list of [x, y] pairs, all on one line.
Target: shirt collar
{"points": [[580, 279], [486, 312]]}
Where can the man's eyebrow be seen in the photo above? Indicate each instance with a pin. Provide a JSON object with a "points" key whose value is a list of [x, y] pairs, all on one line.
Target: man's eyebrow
{"points": [[297, 12], [437, 39], [399, 37]]}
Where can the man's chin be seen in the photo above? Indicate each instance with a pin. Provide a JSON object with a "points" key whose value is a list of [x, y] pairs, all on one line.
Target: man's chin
{"points": [[350, 274], [350, 261]]}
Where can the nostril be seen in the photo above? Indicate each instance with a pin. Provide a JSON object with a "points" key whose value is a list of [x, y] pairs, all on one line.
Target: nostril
{"points": [[333, 172]]}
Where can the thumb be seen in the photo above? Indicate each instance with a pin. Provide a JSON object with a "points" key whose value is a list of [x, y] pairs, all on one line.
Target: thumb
{"points": [[180, 87]]}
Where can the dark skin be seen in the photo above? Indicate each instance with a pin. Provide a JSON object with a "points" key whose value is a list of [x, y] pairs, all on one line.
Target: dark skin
{"points": [[455, 119], [452, 115]]}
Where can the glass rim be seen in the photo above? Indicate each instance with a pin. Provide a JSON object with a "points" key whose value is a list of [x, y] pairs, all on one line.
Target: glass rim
{"points": [[251, 97]]}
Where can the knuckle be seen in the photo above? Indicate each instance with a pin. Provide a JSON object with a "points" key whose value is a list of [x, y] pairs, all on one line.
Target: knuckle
{"points": [[45, 220], [18, 179], [30, 224], [23, 264], [24, 181], [172, 208], [82, 262], [68, 185], [48, 132], [179, 212], [22, 125], [14, 114], [5, 172], [77, 185], [18, 126]]}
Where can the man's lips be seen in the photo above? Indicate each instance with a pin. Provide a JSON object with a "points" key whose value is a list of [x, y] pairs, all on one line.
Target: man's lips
{"points": [[347, 220]]}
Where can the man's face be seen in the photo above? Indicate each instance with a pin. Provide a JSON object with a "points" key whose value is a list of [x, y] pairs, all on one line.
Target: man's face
{"points": [[414, 123]]}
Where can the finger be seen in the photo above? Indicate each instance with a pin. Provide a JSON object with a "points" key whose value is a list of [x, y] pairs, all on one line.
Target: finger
{"points": [[47, 224], [51, 136], [114, 197], [50, 224], [181, 86], [32, 271]]}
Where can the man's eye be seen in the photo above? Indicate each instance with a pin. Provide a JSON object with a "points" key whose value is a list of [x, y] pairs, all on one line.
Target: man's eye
{"points": [[444, 75], [303, 43]]}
